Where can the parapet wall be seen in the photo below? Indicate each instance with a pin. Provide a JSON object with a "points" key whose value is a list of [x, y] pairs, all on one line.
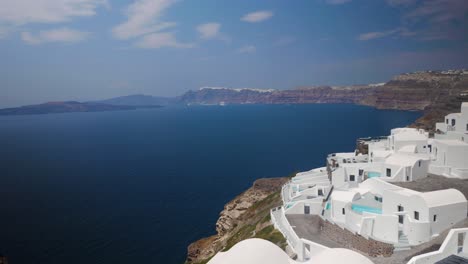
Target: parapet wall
{"points": [[370, 247]]}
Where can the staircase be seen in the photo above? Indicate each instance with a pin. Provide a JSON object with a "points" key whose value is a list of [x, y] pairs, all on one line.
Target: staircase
{"points": [[403, 243]]}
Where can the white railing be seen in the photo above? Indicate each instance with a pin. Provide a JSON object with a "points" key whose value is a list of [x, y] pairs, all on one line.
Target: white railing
{"points": [[281, 223], [314, 248], [449, 247]]}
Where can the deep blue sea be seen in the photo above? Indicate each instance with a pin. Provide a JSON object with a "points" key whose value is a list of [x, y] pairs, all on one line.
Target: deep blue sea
{"points": [[139, 186]]}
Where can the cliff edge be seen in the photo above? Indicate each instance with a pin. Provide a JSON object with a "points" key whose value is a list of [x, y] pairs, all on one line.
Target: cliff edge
{"points": [[247, 215]]}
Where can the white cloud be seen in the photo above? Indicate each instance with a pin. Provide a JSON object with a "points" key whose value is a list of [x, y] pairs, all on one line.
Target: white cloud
{"points": [[209, 30], [258, 16], [55, 35], [20, 12], [143, 17], [337, 2], [160, 40], [379, 34], [247, 49]]}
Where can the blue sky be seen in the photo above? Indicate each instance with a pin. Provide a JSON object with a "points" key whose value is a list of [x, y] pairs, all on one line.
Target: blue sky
{"points": [[91, 49]]}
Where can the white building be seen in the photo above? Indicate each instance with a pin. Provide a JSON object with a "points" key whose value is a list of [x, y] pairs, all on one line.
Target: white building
{"points": [[355, 191], [456, 124], [450, 146]]}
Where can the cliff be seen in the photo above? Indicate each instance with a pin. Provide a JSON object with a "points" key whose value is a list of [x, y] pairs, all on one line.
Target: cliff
{"points": [[245, 216], [437, 93]]}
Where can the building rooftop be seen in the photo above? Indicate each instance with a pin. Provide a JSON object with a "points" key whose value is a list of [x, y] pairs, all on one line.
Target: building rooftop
{"points": [[443, 197], [402, 159]]}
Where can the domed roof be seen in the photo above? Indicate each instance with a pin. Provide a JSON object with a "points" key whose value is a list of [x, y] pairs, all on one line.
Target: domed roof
{"points": [[252, 251]]}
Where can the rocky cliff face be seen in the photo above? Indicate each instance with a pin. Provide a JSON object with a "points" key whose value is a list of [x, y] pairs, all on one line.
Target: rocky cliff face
{"points": [[245, 216], [435, 92]]}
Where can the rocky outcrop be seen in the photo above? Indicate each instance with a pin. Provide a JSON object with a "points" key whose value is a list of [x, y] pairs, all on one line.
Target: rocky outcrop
{"points": [[243, 217], [437, 93]]}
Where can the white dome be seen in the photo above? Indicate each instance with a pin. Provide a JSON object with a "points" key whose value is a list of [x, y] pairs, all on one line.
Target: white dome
{"points": [[252, 251]]}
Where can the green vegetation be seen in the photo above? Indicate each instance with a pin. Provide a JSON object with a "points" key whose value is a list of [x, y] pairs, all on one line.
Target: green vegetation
{"points": [[258, 216], [271, 234]]}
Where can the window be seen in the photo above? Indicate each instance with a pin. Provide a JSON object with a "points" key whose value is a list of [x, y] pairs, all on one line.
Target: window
{"points": [[361, 171], [342, 211], [320, 192], [352, 178], [416, 215], [466, 127], [419, 163], [435, 218], [380, 199], [453, 122], [376, 198], [389, 172], [446, 121]]}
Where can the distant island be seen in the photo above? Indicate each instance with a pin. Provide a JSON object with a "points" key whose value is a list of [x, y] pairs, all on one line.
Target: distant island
{"points": [[437, 93], [65, 107]]}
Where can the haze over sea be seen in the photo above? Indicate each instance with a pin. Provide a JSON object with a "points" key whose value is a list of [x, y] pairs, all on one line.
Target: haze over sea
{"points": [[139, 186]]}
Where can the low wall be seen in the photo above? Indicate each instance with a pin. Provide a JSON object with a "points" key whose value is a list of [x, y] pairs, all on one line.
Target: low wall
{"points": [[369, 246]]}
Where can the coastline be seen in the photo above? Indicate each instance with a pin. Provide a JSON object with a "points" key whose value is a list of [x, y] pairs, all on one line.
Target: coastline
{"points": [[240, 212]]}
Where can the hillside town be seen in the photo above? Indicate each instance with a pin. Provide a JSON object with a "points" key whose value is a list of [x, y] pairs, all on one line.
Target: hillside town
{"points": [[396, 199]]}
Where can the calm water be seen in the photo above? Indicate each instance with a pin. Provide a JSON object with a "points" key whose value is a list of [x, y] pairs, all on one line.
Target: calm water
{"points": [[139, 186]]}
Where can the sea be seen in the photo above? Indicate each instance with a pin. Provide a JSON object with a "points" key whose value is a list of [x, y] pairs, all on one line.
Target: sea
{"points": [[139, 186]]}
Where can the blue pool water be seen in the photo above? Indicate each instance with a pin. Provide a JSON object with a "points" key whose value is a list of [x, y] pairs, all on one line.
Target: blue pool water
{"points": [[361, 209], [139, 186], [372, 174]]}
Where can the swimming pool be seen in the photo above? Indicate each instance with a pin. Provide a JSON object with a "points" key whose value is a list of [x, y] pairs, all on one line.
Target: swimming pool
{"points": [[373, 174], [362, 208]]}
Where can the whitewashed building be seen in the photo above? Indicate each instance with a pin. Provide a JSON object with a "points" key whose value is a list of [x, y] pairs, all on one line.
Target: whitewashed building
{"points": [[449, 156]]}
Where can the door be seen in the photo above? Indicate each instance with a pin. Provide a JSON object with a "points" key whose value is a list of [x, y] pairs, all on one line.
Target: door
{"points": [[401, 217], [306, 209]]}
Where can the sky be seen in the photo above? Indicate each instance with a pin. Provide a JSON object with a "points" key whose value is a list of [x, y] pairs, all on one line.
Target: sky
{"points": [[55, 50]]}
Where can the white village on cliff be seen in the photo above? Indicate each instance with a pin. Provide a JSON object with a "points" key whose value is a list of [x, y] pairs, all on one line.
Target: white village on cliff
{"points": [[386, 200]]}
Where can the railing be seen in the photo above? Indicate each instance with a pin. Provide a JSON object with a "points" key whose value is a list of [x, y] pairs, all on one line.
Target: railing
{"points": [[314, 248], [449, 247], [282, 224]]}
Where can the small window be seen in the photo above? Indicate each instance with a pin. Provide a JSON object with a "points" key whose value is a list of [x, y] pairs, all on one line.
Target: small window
{"points": [[352, 178], [389, 172], [435, 218], [453, 122], [320, 192], [361, 171], [466, 127], [446, 121], [419, 163], [376, 198], [343, 211], [416, 215], [380, 199]]}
